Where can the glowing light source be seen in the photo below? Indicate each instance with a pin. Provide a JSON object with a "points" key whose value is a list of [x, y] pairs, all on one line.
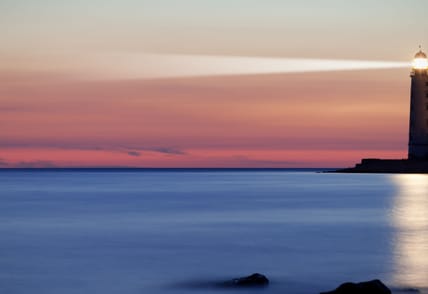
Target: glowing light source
{"points": [[420, 63]]}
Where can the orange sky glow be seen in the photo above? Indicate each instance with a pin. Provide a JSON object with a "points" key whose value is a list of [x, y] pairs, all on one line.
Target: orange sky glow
{"points": [[60, 106], [296, 120]]}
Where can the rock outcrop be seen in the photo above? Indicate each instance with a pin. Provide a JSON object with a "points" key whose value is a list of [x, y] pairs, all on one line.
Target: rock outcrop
{"points": [[254, 280], [369, 287]]}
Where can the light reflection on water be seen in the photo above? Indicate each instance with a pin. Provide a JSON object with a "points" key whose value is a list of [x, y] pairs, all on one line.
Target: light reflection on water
{"points": [[410, 218]]}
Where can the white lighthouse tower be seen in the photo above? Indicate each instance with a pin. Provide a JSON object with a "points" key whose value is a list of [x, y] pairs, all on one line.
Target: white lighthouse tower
{"points": [[418, 133]]}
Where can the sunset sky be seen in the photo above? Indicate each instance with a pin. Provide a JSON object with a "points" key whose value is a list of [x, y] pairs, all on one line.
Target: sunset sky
{"points": [[87, 84]]}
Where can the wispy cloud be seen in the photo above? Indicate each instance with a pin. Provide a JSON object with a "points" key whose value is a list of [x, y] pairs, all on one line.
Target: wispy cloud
{"points": [[130, 150], [134, 153], [165, 150], [34, 164], [137, 150]]}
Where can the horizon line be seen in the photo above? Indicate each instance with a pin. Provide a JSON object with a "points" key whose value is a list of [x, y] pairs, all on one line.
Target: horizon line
{"points": [[160, 168]]}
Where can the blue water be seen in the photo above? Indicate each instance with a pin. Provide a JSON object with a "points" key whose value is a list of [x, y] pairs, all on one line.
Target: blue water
{"points": [[183, 231]]}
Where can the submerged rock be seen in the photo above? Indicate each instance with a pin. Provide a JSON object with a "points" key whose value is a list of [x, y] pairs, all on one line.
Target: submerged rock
{"points": [[369, 287], [254, 280]]}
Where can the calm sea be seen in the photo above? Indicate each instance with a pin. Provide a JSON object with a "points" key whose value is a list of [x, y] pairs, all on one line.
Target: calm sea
{"points": [[174, 232]]}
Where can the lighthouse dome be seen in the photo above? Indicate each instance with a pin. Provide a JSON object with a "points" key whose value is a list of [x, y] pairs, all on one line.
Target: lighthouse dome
{"points": [[420, 54]]}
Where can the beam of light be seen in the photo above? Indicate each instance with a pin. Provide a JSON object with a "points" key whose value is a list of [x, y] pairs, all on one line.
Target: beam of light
{"points": [[158, 66]]}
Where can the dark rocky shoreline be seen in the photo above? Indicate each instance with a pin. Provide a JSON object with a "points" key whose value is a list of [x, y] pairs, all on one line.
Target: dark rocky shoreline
{"points": [[397, 166]]}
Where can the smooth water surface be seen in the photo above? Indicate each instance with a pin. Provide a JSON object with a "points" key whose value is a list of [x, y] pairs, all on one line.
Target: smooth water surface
{"points": [[183, 231]]}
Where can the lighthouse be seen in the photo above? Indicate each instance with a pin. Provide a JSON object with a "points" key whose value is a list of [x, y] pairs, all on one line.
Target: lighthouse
{"points": [[418, 127], [417, 160]]}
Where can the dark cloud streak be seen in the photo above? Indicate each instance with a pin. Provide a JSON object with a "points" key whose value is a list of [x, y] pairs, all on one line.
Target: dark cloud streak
{"points": [[35, 164], [130, 150], [165, 150]]}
